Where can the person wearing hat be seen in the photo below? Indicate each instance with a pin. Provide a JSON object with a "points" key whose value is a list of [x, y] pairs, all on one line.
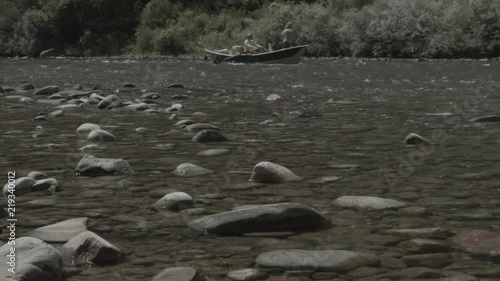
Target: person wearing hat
{"points": [[286, 35], [249, 46]]}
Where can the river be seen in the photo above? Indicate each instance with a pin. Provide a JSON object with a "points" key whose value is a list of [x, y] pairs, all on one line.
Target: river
{"points": [[346, 118]]}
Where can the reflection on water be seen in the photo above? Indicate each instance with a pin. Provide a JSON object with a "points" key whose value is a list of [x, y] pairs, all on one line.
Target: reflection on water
{"points": [[344, 118]]}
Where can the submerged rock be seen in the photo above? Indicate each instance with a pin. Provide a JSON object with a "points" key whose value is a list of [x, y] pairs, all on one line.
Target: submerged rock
{"points": [[180, 273], [326, 260], [368, 202], [92, 166], [213, 152], [267, 172], [205, 136], [88, 248], [263, 218], [35, 260], [50, 184], [479, 241]]}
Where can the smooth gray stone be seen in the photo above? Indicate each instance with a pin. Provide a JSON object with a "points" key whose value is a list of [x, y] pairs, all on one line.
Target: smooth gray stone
{"points": [[190, 170], [112, 101], [22, 185], [35, 261], [48, 90], [100, 136], [87, 128], [92, 166], [489, 118], [61, 231], [416, 139], [263, 218], [267, 172], [200, 127]]}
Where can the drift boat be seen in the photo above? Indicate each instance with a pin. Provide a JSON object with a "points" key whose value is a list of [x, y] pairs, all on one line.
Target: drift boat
{"points": [[290, 55]]}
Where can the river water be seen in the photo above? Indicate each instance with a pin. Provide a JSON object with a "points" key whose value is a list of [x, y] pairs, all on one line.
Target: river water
{"points": [[335, 117]]}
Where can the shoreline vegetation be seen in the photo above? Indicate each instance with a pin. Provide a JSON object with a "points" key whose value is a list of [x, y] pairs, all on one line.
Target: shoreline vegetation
{"points": [[394, 29]]}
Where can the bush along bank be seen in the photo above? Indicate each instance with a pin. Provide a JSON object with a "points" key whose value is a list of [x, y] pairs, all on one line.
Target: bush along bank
{"points": [[362, 28]]}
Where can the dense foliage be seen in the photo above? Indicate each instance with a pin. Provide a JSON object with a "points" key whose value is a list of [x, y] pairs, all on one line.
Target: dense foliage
{"points": [[380, 28]]}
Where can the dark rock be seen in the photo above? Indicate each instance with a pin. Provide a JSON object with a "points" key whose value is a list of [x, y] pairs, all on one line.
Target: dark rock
{"points": [[88, 248], [428, 260], [50, 184], [46, 91], [180, 97], [175, 86], [416, 139], [92, 166], [37, 175], [264, 218], [26, 87], [205, 136], [129, 85], [489, 118], [150, 96]]}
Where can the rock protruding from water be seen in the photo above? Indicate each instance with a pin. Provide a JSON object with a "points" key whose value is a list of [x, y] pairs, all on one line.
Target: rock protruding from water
{"points": [[174, 201], [200, 127], [90, 165], [369, 202], [326, 260], [205, 136], [35, 260], [416, 139], [100, 136], [49, 184], [21, 185], [489, 118], [180, 273], [267, 172], [61, 231], [47, 91], [86, 128], [37, 175], [88, 248], [111, 101], [246, 274], [176, 86], [190, 170], [47, 53], [263, 218]]}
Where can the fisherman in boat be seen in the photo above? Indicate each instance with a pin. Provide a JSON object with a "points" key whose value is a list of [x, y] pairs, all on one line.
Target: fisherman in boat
{"points": [[287, 35], [249, 46]]}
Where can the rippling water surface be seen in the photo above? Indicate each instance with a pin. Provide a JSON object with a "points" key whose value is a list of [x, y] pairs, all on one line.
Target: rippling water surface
{"points": [[331, 113]]}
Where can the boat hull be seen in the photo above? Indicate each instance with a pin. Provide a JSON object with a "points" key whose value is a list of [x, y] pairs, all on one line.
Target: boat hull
{"points": [[290, 55]]}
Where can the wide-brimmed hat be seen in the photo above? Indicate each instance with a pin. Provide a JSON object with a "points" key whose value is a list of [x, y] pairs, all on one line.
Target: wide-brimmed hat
{"points": [[288, 24], [249, 35]]}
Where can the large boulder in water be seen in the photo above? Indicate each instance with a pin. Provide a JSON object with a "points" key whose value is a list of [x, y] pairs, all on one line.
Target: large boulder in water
{"points": [[92, 166], [112, 101], [21, 186], [87, 128], [263, 218], [267, 172], [416, 139], [35, 260], [88, 248], [46, 91], [61, 231]]}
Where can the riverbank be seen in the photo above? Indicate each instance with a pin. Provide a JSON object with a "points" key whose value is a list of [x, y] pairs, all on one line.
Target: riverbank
{"points": [[362, 28]]}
